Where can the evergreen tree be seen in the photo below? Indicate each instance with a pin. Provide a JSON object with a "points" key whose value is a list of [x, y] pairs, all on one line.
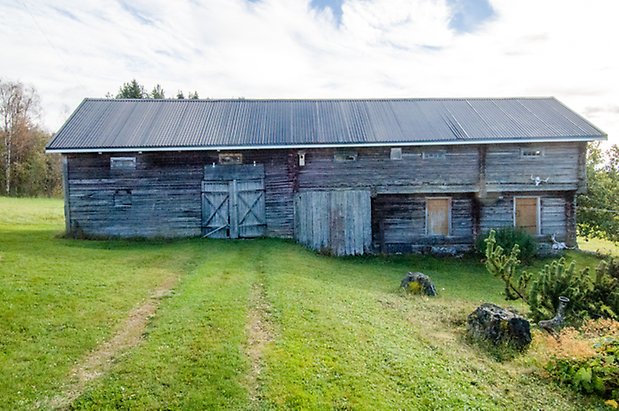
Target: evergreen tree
{"points": [[157, 92], [132, 89]]}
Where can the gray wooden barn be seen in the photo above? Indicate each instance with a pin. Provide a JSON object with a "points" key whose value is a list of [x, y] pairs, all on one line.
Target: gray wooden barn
{"points": [[341, 176]]}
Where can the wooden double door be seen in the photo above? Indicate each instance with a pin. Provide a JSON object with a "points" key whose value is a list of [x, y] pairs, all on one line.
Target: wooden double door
{"points": [[233, 203]]}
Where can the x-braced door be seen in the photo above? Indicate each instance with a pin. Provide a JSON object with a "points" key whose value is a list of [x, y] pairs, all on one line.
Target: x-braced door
{"points": [[233, 204]]}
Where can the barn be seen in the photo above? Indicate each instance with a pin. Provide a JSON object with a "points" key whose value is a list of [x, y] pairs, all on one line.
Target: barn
{"points": [[341, 176]]}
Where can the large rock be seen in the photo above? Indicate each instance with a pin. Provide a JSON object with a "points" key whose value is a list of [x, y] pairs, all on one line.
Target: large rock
{"points": [[418, 283], [499, 326]]}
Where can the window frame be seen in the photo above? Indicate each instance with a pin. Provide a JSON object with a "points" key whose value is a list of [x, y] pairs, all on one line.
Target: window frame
{"points": [[449, 216], [438, 155], [119, 164], [536, 153], [230, 158]]}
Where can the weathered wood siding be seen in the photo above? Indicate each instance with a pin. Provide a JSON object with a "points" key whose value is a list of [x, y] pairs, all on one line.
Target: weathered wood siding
{"points": [[165, 189], [373, 169], [399, 224], [507, 170], [337, 222], [165, 193]]}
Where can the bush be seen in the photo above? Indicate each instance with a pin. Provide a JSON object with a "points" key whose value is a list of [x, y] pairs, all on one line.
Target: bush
{"points": [[507, 238], [596, 297], [559, 279]]}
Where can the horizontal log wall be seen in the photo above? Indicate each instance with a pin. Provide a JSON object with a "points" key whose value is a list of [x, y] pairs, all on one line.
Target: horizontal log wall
{"points": [[373, 169], [165, 193], [165, 189], [508, 170], [399, 224]]}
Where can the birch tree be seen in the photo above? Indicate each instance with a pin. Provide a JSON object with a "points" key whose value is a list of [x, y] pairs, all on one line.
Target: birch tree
{"points": [[19, 105]]}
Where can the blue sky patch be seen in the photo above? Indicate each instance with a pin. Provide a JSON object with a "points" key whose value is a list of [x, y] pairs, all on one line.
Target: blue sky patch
{"points": [[469, 14], [334, 5]]}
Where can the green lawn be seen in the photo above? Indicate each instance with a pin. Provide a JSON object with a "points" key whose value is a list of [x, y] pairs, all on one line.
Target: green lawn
{"points": [[337, 333]]}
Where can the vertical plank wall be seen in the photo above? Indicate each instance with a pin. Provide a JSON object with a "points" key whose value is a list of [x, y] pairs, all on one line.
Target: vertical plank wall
{"points": [[336, 222]]}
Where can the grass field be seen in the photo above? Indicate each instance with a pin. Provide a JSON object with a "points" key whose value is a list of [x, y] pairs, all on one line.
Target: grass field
{"points": [[261, 324]]}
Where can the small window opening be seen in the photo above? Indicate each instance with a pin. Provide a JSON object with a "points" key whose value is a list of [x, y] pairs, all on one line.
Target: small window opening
{"points": [[396, 153], [122, 163], [531, 152], [230, 158], [434, 155], [122, 198], [345, 156]]}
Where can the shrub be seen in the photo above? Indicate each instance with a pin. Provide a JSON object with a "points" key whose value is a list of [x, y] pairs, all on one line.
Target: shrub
{"points": [[596, 297], [559, 279], [507, 238], [505, 267]]}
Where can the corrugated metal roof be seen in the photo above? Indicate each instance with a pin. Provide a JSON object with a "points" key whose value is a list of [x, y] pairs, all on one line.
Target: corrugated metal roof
{"points": [[110, 124]]}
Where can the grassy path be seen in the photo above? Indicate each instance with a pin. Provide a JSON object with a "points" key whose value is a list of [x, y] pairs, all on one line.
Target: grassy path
{"points": [[248, 325]]}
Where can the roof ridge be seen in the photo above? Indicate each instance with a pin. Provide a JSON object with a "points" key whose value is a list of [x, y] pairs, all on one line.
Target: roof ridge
{"points": [[277, 99]]}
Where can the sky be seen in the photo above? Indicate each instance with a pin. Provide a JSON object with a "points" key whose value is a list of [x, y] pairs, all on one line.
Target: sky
{"points": [[70, 50]]}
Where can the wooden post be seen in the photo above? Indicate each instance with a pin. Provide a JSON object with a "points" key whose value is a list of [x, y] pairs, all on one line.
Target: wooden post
{"points": [[582, 168], [476, 217], [67, 197], [482, 171], [570, 219]]}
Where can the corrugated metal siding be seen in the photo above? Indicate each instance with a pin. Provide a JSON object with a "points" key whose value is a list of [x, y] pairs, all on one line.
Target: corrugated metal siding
{"points": [[126, 124]]}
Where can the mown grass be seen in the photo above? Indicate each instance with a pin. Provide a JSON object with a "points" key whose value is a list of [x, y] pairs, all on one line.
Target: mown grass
{"points": [[343, 335]]}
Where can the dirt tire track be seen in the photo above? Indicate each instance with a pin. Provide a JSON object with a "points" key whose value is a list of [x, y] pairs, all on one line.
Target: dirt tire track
{"points": [[99, 361], [260, 333]]}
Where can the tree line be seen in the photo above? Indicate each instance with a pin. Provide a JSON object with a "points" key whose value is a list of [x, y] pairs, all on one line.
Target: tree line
{"points": [[133, 89], [25, 169]]}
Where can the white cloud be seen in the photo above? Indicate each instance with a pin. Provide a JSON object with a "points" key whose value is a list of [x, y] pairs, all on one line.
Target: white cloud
{"points": [[284, 48]]}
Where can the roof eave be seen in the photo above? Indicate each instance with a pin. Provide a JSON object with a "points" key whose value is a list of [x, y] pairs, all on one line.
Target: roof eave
{"points": [[328, 145]]}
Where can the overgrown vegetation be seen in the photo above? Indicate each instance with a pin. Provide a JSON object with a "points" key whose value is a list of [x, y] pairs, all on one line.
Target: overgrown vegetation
{"points": [[590, 297], [587, 360], [507, 238]]}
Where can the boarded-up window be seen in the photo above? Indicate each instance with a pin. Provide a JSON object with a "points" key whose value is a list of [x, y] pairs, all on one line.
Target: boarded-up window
{"points": [[396, 153], [526, 214], [438, 216]]}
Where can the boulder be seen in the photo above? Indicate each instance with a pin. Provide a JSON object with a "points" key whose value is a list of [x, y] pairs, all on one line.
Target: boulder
{"points": [[499, 326], [418, 283]]}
